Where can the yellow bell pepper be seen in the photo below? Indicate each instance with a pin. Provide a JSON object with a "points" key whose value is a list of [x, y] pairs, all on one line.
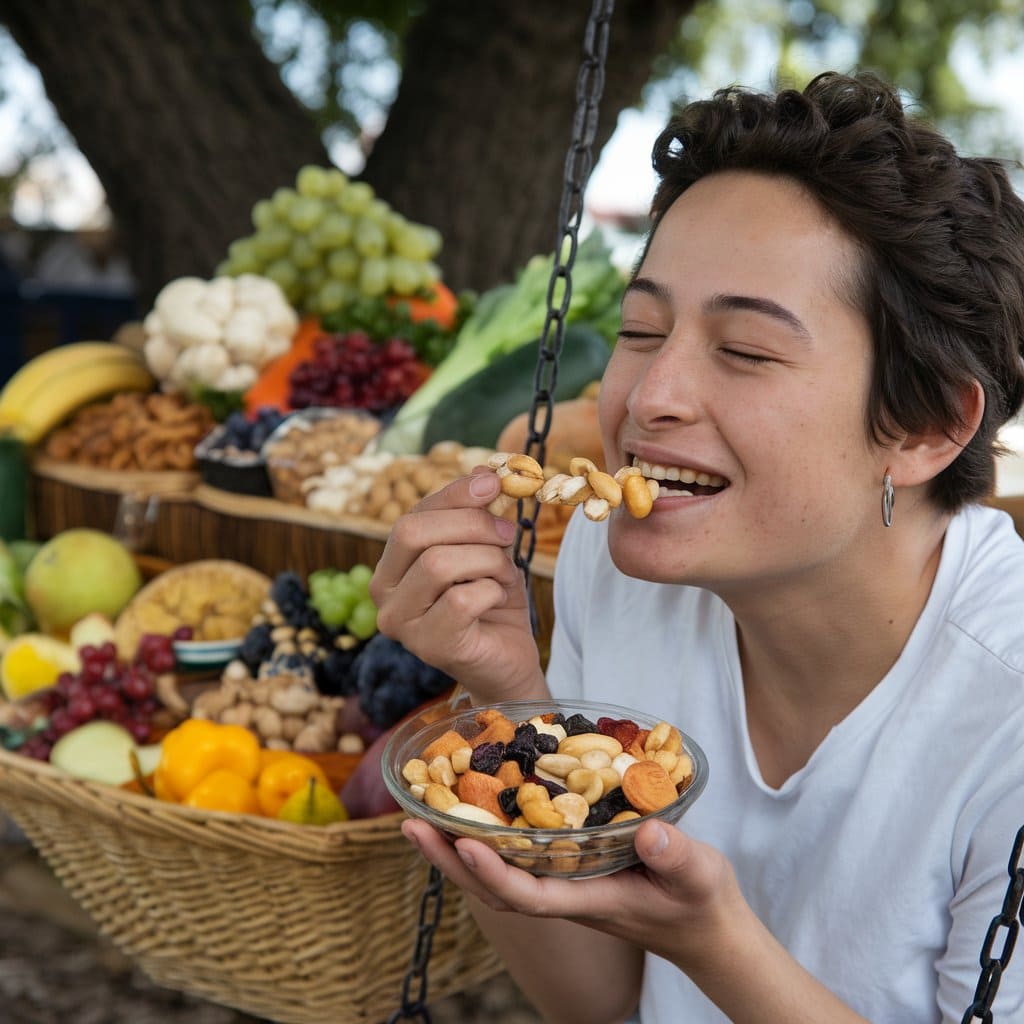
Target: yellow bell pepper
{"points": [[223, 790], [194, 751]]}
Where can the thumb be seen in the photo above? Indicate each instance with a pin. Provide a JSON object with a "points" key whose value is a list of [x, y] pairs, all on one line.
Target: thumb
{"points": [[666, 852]]}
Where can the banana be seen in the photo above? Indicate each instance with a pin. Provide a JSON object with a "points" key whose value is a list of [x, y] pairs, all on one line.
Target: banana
{"points": [[36, 372], [74, 386]]}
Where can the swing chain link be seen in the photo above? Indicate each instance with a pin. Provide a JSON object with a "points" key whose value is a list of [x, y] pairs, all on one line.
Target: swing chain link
{"points": [[431, 904], [578, 164], [589, 87], [1010, 917]]}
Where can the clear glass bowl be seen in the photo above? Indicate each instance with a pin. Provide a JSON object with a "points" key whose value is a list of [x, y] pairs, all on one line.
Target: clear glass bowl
{"points": [[567, 853]]}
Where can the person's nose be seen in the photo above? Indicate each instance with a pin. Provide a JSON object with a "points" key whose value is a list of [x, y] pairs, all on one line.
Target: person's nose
{"points": [[671, 388]]}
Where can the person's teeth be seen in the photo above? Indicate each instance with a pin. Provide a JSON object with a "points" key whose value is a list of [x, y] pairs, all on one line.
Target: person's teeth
{"points": [[645, 469], [672, 473], [687, 476], [658, 472], [703, 479], [715, 481]]}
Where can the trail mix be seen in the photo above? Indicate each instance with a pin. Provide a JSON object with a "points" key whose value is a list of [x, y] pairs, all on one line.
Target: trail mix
{"points": [[597, 491], [551, 772]]}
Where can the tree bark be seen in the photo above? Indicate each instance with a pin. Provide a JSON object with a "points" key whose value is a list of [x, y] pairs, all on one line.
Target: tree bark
{"points": [[187, 123], [476, 141], [184, 120]]}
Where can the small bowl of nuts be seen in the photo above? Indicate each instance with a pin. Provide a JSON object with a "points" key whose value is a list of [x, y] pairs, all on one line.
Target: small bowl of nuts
{"points": [[557, 788]]}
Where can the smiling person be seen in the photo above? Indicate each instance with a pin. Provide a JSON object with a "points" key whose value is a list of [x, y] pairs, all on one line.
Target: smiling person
{"points": [[818, 347]]}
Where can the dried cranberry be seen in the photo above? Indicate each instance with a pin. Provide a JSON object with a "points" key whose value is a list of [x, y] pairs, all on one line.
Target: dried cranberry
{"points": [[487, 758], [576, 724]]}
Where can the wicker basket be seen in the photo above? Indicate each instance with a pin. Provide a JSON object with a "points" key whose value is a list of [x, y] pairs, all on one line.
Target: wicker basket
{"points": [[296, 924]]}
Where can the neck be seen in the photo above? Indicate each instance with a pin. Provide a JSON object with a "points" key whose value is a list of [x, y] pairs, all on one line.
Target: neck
{"points": [[812, 650]]}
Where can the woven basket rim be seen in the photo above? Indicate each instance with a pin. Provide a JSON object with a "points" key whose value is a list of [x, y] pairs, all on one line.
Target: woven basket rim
{"points": [[76, 794]]}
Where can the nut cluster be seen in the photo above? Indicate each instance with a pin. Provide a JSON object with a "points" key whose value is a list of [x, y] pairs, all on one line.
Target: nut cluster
{"points": [[597, 491], [286, 711], [310, 444], [582, 775], [133, 431], [383, 487]]}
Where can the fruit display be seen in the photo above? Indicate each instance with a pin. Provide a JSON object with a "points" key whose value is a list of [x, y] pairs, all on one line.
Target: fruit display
{"points": [[49, 388], [106, 688], [214, 598], [216, 335], [329, 241], [78, 572], [133, 431]]}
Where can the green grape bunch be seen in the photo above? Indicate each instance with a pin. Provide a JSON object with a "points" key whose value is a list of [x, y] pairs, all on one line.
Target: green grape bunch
{"points": [[329, 242], [342, 600]]}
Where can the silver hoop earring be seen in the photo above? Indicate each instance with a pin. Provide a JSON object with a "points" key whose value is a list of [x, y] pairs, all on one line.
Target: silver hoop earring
{"points": [[888, 500]]}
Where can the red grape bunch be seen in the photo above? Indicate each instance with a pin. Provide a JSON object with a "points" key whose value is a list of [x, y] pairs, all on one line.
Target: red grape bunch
{"points": [[105, 688], [351, 371]]}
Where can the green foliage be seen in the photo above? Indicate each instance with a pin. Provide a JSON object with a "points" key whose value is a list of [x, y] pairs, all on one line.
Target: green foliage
{"points": [[911, 42], [341, 57]]}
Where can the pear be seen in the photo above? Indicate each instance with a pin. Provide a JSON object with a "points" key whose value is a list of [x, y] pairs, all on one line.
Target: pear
{"points": [[314, 804]]}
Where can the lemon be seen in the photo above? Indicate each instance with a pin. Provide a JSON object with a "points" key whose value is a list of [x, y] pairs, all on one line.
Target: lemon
{"points": [[33, 662]]}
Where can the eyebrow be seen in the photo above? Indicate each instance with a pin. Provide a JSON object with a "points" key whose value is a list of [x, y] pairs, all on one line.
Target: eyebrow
{"points": [[755, 304], [728, 303]]}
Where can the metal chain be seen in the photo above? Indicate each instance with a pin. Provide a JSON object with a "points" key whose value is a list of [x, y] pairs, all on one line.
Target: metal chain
{"points": [[431, 904], [589, 86], [578, 164], [1010, 917]]}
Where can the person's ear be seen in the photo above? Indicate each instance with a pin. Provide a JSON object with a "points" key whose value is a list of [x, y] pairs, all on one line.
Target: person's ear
{"points": [[923, 456]]}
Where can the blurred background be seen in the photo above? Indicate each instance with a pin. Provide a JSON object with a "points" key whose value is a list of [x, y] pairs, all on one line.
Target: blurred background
{"points": [[135, 138]]}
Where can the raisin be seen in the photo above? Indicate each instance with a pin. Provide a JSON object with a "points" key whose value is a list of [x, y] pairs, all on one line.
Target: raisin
{"points": [[553, 788], [523, 752], [545, 743], [576, 724], [557, 719], [526, 730], [602, 811], [487, 758], [507, 801]]}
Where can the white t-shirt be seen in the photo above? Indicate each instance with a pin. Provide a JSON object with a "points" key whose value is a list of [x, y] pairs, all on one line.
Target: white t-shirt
{"points": [[879, 864]]}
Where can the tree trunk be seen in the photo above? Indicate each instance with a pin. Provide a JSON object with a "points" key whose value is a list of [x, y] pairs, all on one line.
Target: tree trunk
{"points": [[476, 141], [187, 123], [182, 117]]}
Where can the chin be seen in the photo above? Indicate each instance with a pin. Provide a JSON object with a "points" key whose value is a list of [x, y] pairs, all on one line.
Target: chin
{"points": [[635, 551]]}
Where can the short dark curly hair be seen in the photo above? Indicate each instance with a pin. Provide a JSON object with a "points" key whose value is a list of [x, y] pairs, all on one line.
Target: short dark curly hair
{"points": [[941, 279]]}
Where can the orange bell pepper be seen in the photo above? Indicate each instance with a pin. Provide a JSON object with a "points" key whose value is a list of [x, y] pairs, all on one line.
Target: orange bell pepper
{"points": [[282, 776]]}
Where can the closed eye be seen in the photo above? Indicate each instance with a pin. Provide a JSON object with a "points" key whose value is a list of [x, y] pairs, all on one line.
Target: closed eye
{"points": [[747, 357], [638, 335]]}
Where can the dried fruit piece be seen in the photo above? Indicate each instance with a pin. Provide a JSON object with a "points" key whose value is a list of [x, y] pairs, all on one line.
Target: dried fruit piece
{"points": [[648, 787], [623, 729], [487, 758], [576, 724]]}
